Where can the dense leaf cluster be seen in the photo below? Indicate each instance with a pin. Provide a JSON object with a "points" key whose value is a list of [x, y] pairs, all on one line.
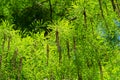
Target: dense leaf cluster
{"points": [[64, 40]]}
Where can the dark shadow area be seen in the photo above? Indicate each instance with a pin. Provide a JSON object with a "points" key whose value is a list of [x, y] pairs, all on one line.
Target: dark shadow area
{"points": [[32, 18]]}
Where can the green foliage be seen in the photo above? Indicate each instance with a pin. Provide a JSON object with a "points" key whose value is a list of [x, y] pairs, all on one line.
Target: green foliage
{"points": [[81, 42]]}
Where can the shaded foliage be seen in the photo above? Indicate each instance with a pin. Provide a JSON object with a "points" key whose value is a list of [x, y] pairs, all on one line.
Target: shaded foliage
{"points": [[29, 16]]}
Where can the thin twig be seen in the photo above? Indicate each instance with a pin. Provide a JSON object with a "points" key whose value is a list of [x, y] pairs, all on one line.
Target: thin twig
{"points": [[58, 45]]}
